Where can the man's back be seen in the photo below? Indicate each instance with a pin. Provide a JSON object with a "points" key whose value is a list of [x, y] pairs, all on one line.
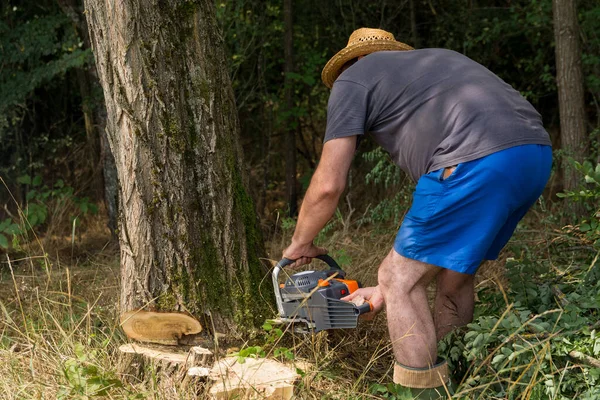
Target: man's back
{"points": [[430, 108]]}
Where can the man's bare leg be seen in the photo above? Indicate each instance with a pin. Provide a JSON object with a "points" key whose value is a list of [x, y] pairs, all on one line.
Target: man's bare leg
{"points": [[403, 283], [453, 301]]}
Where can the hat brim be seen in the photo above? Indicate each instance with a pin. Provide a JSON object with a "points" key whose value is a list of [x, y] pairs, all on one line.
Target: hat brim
{"points": [[332, 69]]}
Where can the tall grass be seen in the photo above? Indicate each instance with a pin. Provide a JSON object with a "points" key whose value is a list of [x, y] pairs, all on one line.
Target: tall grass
{"points": [[59, 332]]}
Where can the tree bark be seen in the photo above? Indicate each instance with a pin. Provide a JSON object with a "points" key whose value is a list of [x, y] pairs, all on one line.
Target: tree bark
{"points": [[569, 79], [187, 227], [290, 145]]}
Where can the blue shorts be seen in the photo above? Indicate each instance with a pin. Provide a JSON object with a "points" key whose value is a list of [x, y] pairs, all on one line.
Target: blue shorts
{"points": [[457, 222]]}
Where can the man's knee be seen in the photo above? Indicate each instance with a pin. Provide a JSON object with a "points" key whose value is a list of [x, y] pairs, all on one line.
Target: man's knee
{"points": [[401, 275], [454, 284]]}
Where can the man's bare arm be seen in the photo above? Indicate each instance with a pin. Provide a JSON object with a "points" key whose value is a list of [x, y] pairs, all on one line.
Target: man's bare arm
{"points": [[321, 199]]}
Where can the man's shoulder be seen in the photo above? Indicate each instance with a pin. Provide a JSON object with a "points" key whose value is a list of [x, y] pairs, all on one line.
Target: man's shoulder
{"points": [[372, 68]]}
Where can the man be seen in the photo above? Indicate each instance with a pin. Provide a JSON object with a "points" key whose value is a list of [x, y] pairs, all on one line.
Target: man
{"points": [[480, 156]]}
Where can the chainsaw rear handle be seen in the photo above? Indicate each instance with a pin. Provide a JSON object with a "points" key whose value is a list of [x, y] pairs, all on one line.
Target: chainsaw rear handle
{"points": [[364, 308], [284, 262]]}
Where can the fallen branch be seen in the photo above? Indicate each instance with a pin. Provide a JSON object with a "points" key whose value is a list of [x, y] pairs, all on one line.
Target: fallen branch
{"points": [[585, 359]]}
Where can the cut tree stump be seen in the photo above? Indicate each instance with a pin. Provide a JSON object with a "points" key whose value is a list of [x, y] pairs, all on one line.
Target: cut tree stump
{"points": [[159, 327], [254, 379], [169, 366], [196, 356]]}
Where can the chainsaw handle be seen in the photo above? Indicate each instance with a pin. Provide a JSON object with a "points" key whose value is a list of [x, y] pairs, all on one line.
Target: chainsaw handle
{"points": [[364, 308], [284, 262]]}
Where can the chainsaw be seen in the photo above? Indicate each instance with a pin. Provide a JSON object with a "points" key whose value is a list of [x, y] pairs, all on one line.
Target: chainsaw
{"points": [[313, 297]]}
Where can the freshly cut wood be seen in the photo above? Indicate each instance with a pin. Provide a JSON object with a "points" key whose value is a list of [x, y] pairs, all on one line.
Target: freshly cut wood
{"points": [[255, 378], [158, 327], [196, 356], [198, 371], [201, 356], [166, 366], [155, 353]]}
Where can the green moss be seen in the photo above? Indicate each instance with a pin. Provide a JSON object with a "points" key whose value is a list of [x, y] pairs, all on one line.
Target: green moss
{"points": [[172, 131], [167, 301], [250, 312], [201, 87], [208, 272]]}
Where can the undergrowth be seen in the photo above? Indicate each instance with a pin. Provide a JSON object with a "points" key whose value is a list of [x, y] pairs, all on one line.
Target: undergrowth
{"points": [[535, 334]]}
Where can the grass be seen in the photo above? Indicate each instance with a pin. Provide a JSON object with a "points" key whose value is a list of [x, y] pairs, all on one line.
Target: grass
{"points": [[59, 332]]}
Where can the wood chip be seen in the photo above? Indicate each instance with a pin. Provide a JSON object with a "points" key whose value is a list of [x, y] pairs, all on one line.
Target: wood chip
{"points": [[158, 327]]}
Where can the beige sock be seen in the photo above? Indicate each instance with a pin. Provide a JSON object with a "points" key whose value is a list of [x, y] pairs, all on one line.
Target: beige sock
{"points": [[421, 378]]}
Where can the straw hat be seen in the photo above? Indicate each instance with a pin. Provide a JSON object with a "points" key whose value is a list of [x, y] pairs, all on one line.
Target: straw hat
{"points": [[363, 41]]}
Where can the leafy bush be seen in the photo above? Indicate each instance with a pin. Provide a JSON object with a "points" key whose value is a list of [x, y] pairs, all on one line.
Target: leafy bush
{"points": [[388, 175], [83, 378], [536, 345], [44, 206]]}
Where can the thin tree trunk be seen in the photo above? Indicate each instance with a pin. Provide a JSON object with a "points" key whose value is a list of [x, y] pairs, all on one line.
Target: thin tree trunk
{"points": [[188, 231], [101, 158], [413, 25], [290, 145], [569, 79]]}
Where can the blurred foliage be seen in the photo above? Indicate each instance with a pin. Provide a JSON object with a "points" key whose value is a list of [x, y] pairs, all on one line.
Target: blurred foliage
{"points": [[34, 53], [514, 39], [45, 208], [42, 126]]}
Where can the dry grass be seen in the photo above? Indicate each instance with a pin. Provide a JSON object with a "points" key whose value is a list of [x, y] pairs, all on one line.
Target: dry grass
{"points": [[59, 333]]}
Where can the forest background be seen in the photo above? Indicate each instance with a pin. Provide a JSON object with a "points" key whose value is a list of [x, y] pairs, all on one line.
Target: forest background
{"points": [[534, 335]]}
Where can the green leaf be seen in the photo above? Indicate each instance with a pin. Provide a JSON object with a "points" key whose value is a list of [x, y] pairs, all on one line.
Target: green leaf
{"points": [[24, 179], [497, 358], [37, 181], [3, 241], [31, 195], [13, 229], [584, 227], [378, 388], [267, 327], [4, 224]]}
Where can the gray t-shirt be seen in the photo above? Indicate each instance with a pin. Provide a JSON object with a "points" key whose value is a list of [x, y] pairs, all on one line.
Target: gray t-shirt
{"points": [[430, 109]]}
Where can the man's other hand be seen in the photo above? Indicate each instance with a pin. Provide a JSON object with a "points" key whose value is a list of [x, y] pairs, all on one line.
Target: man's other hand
{"points": [[372, 295], [302, 253]]}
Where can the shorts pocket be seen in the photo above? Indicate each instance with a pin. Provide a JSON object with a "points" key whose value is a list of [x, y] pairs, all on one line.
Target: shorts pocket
{"points": [[423, 206], [426, 197]]}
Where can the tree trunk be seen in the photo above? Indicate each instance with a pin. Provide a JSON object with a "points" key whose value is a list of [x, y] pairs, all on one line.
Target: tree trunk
{"points": [[188, 231], [290, 145], [413, 25], [569, 79]]}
